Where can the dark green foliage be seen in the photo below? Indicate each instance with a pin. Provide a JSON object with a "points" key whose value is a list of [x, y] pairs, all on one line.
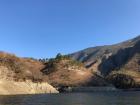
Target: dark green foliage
{"points": [[44, 60], [122, 81], [61, 60], [59, 56]]}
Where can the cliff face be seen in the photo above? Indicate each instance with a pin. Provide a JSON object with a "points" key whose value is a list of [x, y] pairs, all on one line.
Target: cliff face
{"points": [[22, 76]]}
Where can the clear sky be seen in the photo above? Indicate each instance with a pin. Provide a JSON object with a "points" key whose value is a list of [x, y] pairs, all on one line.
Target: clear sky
{"points": [[42, 28]]}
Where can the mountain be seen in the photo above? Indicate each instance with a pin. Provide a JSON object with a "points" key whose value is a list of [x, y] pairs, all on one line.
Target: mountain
{"points": [[104, 60], [117, 65]]}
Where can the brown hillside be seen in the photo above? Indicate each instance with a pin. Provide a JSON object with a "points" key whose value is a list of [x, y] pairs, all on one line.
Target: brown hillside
{"points": [[19, 69], [63, 71]]}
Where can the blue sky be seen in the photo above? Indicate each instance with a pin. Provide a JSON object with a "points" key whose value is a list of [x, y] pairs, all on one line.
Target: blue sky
{"points": [[43, 28]]}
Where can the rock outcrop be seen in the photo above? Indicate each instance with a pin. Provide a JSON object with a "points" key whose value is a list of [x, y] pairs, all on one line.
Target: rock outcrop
{"points": [[27, 87]]}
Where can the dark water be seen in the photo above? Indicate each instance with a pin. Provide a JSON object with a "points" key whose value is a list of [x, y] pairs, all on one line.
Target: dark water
{"points": [[95, 98]]}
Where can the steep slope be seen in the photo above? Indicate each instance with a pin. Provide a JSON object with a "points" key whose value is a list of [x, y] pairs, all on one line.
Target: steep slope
{"points": [[127, 58], [21, 76], [92, 57], [126, 64]]}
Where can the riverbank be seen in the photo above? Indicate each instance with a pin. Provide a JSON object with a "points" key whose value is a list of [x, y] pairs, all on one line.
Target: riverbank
{"points": [[93, 89]]}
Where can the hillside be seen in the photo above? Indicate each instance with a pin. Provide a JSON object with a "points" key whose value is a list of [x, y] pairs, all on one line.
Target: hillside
{"points": [[117, 64], [21, 76], [106, 59], [19, 69], [126, 58], [63, 71], [92, 56], [30, 76]]}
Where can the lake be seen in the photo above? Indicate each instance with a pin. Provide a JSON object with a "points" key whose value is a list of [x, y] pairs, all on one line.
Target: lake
{"points": [[94, 98]]}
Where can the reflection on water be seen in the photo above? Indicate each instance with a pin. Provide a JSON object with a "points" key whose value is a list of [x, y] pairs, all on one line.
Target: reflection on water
{"points": [[95, 98]]}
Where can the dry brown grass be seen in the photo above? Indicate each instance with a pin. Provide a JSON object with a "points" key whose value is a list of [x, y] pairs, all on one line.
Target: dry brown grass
{"points": [[67, 72], [22, 68]]}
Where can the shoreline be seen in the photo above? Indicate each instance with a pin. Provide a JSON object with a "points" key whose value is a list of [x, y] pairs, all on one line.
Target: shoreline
{"points": [[76, 90], [94, 89]]}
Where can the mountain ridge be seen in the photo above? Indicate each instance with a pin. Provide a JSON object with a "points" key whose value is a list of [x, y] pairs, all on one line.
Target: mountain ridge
{"points": [[91, 54]]}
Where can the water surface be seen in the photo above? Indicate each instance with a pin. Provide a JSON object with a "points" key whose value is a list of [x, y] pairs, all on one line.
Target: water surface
{"points": [[94, 98]]}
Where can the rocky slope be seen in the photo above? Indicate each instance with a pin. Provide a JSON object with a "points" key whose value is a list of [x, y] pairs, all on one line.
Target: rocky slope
{"points": [[21, 76], [104, 60], [126, 58], [93, 55]]}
